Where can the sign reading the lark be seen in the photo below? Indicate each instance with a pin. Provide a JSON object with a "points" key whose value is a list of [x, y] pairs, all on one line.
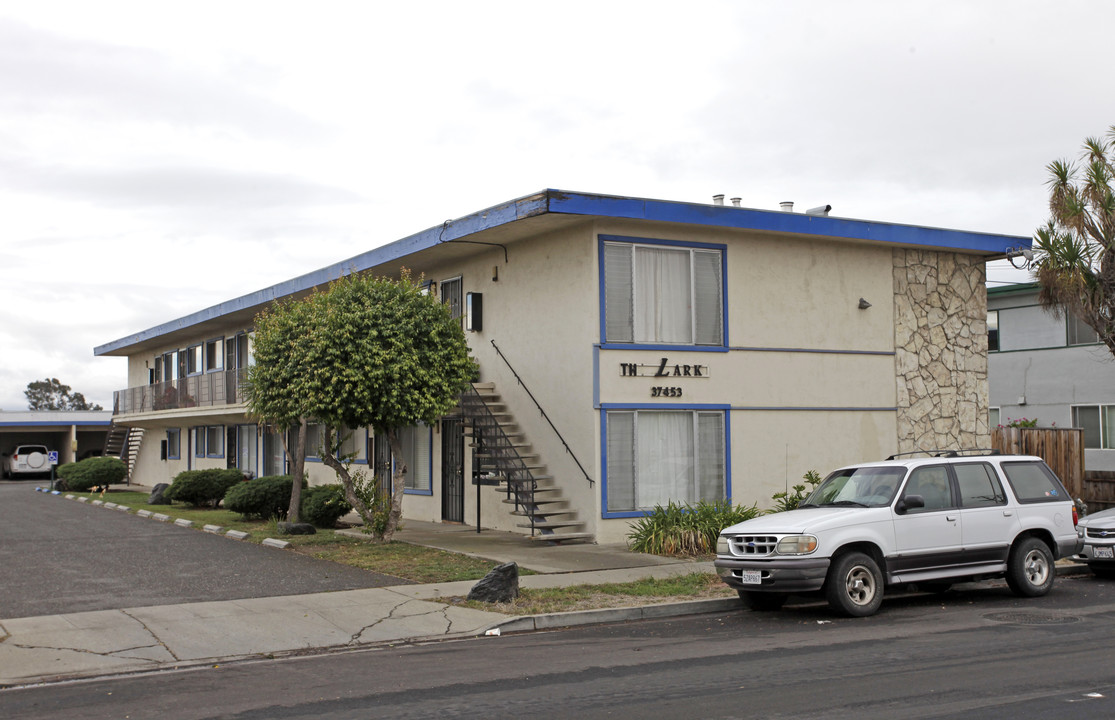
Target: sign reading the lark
{"points": [[663, 369]]}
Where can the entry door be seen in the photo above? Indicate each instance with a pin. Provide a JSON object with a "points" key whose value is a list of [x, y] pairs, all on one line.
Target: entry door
{"points": [[452, 470]]}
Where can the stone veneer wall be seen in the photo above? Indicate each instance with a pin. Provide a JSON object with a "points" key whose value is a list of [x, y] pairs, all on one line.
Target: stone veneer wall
{"points": [[940, 339]]}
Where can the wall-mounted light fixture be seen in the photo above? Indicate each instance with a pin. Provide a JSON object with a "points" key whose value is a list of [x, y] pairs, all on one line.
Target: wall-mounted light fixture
{"points": [[863, 304], [1026, 254], [474, 312]]}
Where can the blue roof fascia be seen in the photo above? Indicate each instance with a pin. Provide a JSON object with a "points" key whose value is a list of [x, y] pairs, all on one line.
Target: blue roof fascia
{"points": [[584, 204], [783, 222]]}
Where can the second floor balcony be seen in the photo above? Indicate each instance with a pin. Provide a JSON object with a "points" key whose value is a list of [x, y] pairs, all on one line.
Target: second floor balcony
{"points": [[223, 387]]}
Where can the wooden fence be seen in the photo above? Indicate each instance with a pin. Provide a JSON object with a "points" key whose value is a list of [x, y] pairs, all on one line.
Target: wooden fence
{"points": [[1061, 448], [1099, 490]]}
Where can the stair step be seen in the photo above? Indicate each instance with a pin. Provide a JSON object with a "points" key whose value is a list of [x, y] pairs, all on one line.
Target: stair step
{"points": [[494, 456], [552, 525], [539, 501], [540, 513], [561, 537]]}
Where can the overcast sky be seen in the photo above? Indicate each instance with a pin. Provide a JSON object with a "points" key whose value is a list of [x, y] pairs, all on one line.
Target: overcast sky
{"points": [[157, 158]]}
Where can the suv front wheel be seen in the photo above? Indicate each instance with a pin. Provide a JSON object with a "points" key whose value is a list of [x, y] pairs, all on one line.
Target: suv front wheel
{"points": [[854, 586], [1030, 570]]}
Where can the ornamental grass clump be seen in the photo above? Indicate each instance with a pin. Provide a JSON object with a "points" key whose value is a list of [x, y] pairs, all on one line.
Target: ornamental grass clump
{"points": [[686, 530]]}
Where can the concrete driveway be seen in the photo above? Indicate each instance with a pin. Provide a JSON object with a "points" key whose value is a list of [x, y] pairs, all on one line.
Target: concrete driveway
{"points": [[65, 557]]}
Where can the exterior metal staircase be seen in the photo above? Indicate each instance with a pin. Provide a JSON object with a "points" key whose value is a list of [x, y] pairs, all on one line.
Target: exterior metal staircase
{"points": [[124, 442], [503, 458]]}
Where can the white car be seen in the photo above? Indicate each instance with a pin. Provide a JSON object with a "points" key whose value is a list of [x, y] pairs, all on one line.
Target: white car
{"points": [[27, 460], [1097, 533], [932, 521]]}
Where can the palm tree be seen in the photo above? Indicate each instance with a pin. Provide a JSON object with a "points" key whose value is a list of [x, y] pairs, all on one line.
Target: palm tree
{"points": [[1074, 253]]}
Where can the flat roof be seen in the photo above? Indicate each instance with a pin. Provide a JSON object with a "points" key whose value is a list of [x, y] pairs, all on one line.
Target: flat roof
{"points": [[576, 205]]}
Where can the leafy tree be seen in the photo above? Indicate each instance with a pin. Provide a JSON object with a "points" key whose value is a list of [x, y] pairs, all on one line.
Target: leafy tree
{"points": [[1074, 253], [366, 352], [50, 394]]}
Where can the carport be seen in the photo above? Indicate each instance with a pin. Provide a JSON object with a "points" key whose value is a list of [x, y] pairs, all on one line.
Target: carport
{"points": [[74, 434]]}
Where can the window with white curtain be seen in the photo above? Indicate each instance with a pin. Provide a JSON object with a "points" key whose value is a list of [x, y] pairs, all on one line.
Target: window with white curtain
{"points": [[416, 455], [660, 456], [662, 294]]}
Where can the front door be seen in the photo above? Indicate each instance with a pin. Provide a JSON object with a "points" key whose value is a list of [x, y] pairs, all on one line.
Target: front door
{"points": [[452, 470]]}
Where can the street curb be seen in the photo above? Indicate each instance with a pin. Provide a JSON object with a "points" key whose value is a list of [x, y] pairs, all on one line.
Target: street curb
{"points": [[551, 621]]}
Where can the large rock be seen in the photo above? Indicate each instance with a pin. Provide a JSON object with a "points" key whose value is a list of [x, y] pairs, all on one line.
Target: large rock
{"points": [[289, 528], [158, 495], [501, 585]]}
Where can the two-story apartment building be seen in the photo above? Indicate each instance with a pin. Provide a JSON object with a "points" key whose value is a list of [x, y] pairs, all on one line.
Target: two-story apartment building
{"points": [[633, 351], [1052, 369]]}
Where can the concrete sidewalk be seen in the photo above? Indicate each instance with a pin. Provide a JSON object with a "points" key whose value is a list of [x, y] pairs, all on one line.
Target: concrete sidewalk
{"points": [[141, 639]]}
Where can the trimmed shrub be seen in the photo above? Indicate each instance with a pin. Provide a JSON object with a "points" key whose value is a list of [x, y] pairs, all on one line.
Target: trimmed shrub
{"points": [[202, 488], [686, 529], [92, 472], [263, 497], [323, 505]]}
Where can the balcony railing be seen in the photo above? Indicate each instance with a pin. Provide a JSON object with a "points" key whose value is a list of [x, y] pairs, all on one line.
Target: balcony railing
{"points": [[224, 387]]}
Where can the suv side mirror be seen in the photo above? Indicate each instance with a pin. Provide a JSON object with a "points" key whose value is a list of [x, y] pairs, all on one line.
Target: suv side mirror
{"points": [[910, 502]]}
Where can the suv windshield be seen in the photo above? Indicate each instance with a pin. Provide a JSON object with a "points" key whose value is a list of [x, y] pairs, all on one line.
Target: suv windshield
{"points": [[862, 487]]}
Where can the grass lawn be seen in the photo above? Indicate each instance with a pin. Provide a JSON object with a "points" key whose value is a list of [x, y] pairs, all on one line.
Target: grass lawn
{"points": [[695, 586], [401, 560], [428, 565]]}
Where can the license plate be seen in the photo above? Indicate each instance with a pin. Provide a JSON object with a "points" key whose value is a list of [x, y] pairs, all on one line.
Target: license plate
{"points": [[752, 577], [1098, 552]]}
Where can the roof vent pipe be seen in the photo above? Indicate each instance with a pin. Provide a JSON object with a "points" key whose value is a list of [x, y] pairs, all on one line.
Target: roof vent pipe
{"points": [[736, 201], [819, 210], [718, 199], [787, 205]]}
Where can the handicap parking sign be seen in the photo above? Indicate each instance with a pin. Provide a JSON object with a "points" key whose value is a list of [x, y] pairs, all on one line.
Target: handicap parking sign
{"points": [[53, 457]]}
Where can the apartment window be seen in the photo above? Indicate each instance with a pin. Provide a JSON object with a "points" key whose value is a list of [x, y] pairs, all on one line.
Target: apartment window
{"points": [[173, 443], [1078, 331], [451, 296], [193, 360], [417, 450], [213, 355], [662, 294], [992, 329], [993, 416], [209, 441], [215, 441], [354, 444], [169, 366], [315, 440], [660, 456], [246, 447], [1098, 422]]}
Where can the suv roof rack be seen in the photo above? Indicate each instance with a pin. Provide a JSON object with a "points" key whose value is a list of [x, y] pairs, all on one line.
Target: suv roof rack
{"points": [[947, 453]]}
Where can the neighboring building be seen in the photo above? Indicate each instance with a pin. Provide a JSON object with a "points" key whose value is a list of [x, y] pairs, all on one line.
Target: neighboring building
{"points": [[74, 434], [683, 351], [1053, 369]]}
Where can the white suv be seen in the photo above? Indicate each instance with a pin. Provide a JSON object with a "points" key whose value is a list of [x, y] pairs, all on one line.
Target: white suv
{"points": [[931, 521], [27, 460]]}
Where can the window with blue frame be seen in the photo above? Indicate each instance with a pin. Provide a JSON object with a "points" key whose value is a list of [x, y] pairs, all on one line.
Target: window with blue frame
{"points": [[209, 441], [417, 456], [662, 293], [655, 457], [173, 443]]}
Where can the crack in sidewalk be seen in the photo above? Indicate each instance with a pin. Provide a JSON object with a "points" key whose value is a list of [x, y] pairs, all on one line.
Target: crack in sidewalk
{"points": [[357, 636], [151, 632]]}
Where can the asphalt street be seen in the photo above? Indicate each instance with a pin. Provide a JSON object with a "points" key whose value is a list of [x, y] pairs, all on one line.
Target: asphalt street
{"points": [[64, 557], [974, 652]]}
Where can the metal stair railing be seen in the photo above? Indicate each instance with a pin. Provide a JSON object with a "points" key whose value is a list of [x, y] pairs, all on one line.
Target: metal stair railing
{"points": [[591, 482], [496, 452]]}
